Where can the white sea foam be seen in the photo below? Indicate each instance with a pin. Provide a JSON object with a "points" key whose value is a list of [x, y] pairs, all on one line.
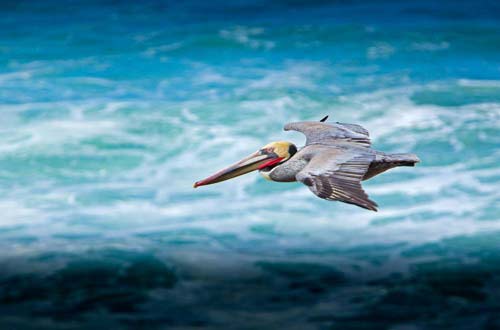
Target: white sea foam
{"points": [[247, 36], [380, 50], [15, 213], [52, 135], [156, 50]]}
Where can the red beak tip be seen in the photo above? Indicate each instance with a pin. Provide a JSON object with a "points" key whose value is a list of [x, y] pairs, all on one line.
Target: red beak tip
{"points": [[200, 183]]}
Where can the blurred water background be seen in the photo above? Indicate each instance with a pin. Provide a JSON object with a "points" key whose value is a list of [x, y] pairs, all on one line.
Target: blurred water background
{"points": [[110, 110]]}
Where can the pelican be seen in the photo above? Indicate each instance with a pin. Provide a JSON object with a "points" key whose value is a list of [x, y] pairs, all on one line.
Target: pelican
{"points": [[332, 164]]}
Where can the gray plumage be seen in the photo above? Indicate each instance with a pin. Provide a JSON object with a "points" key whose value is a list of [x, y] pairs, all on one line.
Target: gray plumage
{"points": [[323, 133], [334, 161]]}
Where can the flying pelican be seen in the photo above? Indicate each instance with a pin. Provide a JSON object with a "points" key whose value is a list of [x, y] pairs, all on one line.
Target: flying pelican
{"points": [[334, 161]]}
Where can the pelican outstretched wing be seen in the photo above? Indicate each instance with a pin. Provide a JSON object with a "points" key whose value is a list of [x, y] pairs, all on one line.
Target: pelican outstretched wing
{"points": [[336, 174], [326, 133]]}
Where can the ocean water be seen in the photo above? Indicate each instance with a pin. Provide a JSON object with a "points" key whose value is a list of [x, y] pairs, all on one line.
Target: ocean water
{"points": [[110, 110]]}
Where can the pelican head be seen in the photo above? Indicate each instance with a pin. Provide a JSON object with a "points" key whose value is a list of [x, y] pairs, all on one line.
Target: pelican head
{"points": [[264, 159]]}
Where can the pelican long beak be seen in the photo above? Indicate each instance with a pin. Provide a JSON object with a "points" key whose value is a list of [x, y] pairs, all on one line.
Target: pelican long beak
{"points": [[255, 161]]}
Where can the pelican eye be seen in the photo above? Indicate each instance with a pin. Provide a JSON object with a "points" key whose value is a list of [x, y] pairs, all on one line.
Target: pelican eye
{"points": [[266, 151]]}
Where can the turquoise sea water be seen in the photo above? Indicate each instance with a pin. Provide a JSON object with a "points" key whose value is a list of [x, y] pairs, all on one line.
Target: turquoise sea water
{"points": [[111, 110]]}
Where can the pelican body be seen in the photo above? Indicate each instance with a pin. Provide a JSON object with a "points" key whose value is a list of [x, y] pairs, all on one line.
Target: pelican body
{"points": [[332, 164]]}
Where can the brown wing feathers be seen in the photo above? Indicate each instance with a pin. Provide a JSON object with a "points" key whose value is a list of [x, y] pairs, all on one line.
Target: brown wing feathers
{"points": [[332, 188], [338, 182], [344, 184]]}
